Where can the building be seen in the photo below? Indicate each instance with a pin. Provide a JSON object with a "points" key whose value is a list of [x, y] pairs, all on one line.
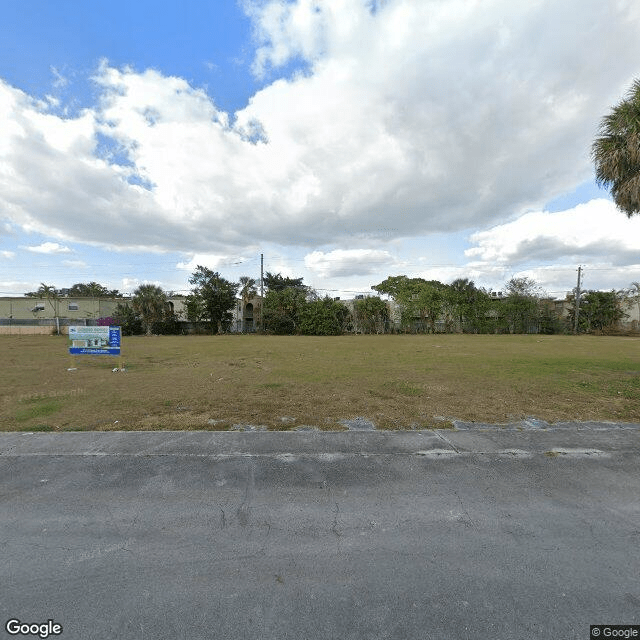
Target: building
{"points": [[246, 315], [26, 315]]}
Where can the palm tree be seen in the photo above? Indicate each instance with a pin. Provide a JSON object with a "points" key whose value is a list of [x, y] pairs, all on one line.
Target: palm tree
{"points": [[616, 152], [248, 288], [51, 294], [149, 303]]}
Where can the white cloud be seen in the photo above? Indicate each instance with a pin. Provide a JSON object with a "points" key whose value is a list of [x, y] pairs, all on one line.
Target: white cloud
{"points": [[594, 229], [209, 260], [49, 247], [16, 287], [548, 247], [7, 254], [350, 262], [413, 118], [52, 100], [60, 80], [74, 264], [129, 285], [288, 30]]}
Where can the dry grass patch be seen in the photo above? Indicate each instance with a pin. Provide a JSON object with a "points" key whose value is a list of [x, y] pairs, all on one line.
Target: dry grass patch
{"points": [[218, 382]]}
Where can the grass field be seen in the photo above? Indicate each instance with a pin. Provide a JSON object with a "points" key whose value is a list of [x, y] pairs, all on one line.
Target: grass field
{"points": [[202, 382]]}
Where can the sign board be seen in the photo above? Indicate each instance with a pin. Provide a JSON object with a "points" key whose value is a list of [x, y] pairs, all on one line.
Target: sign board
{"points": [[95, 341]]}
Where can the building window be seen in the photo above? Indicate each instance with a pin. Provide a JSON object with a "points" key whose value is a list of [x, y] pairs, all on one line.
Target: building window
{"points": [[39, 306], [73, 306]]}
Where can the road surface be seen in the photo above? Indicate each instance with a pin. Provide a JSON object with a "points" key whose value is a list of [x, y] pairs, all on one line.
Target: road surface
{"points": [[479, 533]]}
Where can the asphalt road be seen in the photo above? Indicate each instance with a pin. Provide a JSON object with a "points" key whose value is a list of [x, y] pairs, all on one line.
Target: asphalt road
{"points": [[481, 533]]}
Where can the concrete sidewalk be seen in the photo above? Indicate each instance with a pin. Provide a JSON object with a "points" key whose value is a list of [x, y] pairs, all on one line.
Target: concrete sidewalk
{"points": [[465, 438], [482, 533]]}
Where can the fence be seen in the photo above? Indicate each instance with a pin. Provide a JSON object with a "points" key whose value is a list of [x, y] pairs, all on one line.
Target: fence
{"points": [[42, 326]]}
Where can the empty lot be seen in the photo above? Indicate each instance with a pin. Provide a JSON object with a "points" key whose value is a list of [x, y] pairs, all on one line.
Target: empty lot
{"points": [[395, 381]]}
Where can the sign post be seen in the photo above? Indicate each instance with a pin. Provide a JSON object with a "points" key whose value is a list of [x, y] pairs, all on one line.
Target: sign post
{"points": [[95, 341]]}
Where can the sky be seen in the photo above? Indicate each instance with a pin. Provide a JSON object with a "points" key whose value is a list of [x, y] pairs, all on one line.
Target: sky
{"points": [[344, 140]]}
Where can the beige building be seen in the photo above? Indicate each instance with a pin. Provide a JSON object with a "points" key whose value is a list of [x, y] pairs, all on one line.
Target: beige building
{"points": [[246, 315], [23, 308], [21, 314]]}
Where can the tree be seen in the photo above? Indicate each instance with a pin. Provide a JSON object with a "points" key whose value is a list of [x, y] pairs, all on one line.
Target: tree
{"points": [[395, 286], [616, 152], [282, 309], [283, 303], [599, 310], [323, 317], [194, 310], [471, 306], [42, 291], [51, 294], [247, 288], [521, 308], [370, 315], [92, 290], [277, 282], [217, 297], [149, 303], [482, 316], [424, 306], [125, 317], [80, 290], [421, 301]]}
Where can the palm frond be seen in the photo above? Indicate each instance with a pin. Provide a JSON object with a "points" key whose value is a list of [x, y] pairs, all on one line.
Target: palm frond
{"points": [[616, 152]]}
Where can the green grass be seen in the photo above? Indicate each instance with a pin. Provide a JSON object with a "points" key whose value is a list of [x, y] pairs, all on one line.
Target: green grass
{"points": [[214, 382], [38, 408], [38, 427], [403, 388]]}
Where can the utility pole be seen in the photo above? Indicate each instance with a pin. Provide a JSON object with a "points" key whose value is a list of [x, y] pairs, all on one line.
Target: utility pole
{"points": [[261, 290], [577, 312]]}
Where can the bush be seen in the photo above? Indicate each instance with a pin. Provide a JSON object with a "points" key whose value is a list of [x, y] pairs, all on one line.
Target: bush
{"points": [[126, 318], [324, 317], [170, 326], [278, 323]]}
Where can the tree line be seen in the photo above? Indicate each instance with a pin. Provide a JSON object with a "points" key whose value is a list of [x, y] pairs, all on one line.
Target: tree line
{"points": [[431, 306], [415, 305]]}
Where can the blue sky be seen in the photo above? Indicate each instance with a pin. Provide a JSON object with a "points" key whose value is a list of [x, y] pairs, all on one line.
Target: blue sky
{"points": [[206, 43], [346, 140]]}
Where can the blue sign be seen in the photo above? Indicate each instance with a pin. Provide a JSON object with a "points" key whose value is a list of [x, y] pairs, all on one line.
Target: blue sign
{"points": [[95, 341], [114, 337]]}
